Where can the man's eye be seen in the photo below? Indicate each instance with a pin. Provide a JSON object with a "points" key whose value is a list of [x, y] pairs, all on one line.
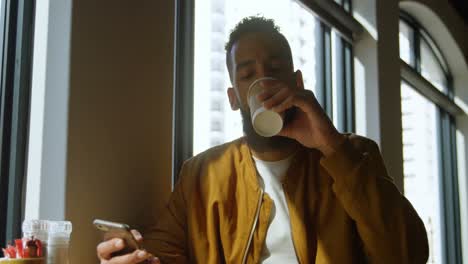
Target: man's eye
{"points": [[246, 76], [275, 67]]}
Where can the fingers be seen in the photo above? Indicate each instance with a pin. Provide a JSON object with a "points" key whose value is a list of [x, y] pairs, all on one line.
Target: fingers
{"points": [[106, 248], [153, 261], [287, 98], [138, 237], [282, 98], [304, 100], [136, 257], [269, 92], [285, 104], [276, 98]]}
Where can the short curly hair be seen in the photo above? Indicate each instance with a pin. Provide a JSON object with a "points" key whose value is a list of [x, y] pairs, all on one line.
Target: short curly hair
{"points": [[254, 24]]}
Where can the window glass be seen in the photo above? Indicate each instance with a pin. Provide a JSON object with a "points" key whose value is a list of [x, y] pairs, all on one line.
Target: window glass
{"points": [[346, 4], [2, 14], [431, 68], [337, 71], [342, 84], [422, 164], [406, 43], [213, 21]]}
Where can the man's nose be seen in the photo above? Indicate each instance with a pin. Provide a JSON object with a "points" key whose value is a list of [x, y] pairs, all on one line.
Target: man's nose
{"points": [[263, 72], [268, 82]]}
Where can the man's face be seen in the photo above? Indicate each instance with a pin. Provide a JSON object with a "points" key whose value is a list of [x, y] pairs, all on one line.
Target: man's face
{"points": [[253, 56], [257, 55]]}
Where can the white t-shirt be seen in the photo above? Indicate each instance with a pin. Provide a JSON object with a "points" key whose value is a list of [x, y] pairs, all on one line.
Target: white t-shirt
{"points": [[279, 247]]}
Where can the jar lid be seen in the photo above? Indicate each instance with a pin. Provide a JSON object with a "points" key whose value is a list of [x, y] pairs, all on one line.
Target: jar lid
{"points": [[60, 227], [35, 225]]}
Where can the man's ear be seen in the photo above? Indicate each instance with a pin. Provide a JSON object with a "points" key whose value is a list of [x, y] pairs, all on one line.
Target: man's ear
{"points": [[299, 80], [233, 100]]}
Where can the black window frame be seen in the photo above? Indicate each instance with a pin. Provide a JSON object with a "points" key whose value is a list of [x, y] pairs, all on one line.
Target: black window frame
{"points": [[182, 126], [345, 91], [17, 28], [324, 80], [446, 134], [344, 86]]}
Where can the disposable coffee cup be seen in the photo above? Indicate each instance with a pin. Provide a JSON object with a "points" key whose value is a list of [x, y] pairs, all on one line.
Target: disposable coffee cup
{"points": [[266, 123]]}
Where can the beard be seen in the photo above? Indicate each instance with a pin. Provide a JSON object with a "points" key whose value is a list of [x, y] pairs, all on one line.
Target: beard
{"points": [[266, 144]]}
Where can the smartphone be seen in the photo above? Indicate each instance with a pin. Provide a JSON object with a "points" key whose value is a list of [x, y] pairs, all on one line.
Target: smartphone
{"points": [[112, 230]]}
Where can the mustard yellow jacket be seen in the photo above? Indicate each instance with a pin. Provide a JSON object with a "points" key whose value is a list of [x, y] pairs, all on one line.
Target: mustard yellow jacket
{"points": [[343, 209]]}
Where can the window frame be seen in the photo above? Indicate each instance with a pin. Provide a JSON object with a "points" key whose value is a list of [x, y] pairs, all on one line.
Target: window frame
{"points": [[324, 68], [17, 23], [419, 33], [450, 204], [446, 133], [183, 96], [345, 87]]}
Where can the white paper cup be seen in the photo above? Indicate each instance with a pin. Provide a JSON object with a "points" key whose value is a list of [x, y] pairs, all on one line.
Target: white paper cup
{"points": [[266, 123]]}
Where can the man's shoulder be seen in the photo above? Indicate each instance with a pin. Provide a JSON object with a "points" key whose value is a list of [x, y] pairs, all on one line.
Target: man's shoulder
{"points": [[223, 156], [362, 143], [213, 168], [219, 152]]}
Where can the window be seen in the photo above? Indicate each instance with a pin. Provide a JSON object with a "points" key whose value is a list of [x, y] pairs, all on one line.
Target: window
{"points": [[421, 163], [320, 34], [318, 50], [216, 126], [430, 180], [16, 49], [343, 88], [216, 106]]}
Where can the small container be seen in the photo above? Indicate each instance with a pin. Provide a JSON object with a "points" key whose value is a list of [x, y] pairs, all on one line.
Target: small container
{"points": [[58, 242], [38, 229], [266, 123]]}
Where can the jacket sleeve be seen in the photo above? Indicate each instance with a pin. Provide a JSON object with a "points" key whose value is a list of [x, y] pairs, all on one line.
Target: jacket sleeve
{"points": [[388, 225], [167, 239]]}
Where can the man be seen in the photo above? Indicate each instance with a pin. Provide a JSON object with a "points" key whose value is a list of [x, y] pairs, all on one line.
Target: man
{"points": [[309, 195]]}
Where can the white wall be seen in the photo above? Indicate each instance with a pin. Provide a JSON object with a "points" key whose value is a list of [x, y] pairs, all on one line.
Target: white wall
{"points": [[45, 189], [377, 81]]}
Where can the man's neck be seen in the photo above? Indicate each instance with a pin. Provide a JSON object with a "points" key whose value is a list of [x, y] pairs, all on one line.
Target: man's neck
{"points": [[277, 153]]}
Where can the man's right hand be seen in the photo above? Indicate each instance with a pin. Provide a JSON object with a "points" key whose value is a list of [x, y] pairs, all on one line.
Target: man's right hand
{"points": [[106, 248]]}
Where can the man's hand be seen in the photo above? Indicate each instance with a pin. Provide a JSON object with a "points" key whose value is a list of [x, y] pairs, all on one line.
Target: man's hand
{"points": [[310, 125], [106, 248]]}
